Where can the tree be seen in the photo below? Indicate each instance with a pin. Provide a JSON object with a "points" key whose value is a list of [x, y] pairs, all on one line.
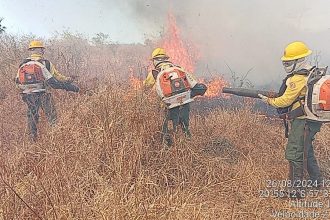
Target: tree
{"points": [[2, 28]]}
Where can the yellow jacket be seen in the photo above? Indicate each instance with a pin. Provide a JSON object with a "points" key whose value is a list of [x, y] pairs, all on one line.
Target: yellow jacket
{"points": [[296, 87], [150, 80], [53, 70]]}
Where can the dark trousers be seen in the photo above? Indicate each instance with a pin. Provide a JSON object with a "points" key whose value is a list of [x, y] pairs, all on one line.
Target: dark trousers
{"points": [[34, 102], [300, 152], [179, 116]]}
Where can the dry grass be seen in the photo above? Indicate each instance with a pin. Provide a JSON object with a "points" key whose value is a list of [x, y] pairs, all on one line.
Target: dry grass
{"points": [[104, 159]]}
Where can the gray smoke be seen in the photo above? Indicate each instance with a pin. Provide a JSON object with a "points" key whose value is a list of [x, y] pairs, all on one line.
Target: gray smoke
{"points": [[243, 34]]}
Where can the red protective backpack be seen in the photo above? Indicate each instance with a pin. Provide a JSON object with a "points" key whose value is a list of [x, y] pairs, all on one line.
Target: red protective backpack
{"points": [[31, 73], [171, 81]]}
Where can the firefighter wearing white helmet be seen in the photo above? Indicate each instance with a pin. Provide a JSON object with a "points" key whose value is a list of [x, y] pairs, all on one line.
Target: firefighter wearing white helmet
{"points": [[173, 83], [34, 78], [290, 105]]}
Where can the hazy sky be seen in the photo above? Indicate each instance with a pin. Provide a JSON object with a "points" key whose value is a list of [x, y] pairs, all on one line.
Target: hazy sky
{"points": [[244, 34]]}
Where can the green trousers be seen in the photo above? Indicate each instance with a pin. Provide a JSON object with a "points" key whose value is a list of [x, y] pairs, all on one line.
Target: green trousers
{"points": [[178, 116], [34, 102], [299, 150]]}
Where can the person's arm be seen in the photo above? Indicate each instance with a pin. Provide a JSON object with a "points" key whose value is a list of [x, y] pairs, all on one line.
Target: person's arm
{"points": [[59, 81], [294, 87], [58, 75], [150, 81]]}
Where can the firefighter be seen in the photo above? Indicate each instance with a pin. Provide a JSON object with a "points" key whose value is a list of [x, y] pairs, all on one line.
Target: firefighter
{"points": [[178, 115], [299, 150], [34, 77]]}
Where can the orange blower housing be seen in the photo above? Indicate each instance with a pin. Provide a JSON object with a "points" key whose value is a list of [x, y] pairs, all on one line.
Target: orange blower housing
{"points": [[30, 74], [325, 96], [173, 82]]}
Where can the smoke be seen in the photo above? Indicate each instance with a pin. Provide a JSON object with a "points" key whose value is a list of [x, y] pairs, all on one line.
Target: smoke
{"points": [[240, 34]]}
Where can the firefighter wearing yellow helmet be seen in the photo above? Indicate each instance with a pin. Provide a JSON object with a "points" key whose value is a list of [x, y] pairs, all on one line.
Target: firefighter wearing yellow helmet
{"points": [[34, 78], [299, 150], [166, 76], [36, 44]]}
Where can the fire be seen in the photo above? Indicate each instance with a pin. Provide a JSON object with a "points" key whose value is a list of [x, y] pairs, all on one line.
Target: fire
{"points": [[214, 87], [180, 52], [183, 54], [135, 82], [186, 55]]}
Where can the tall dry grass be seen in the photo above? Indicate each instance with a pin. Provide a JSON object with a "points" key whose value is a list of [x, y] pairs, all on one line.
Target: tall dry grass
{"points": [[104, 158]]}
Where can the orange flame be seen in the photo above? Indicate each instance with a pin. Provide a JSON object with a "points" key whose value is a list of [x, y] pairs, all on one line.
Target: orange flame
{"points": [[135, 82], [214, 87], [179, 51], [185, 55]]}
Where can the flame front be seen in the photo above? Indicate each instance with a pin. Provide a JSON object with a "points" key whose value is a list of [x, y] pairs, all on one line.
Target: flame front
{"points": [[134, 81], [214, 87], [185, 55], [181, 53]]}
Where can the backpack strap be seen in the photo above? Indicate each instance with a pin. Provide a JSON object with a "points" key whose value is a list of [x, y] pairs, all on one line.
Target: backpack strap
{"points": [[155, 73], [287, 113], [46, 63], [158, 68], [24, 62], [281, 91]]}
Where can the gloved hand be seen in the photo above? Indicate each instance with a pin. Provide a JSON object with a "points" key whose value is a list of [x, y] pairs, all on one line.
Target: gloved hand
{"points": [[69, 80], [263, 98]]}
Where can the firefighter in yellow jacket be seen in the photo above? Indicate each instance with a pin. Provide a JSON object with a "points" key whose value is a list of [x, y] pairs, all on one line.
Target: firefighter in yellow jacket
{"points": [[178, 115], [34, 77], [299, 150]]}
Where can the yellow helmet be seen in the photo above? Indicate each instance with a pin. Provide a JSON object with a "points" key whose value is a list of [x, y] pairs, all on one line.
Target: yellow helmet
{"points": [[158, 52], [295, 50], [36, 44]]}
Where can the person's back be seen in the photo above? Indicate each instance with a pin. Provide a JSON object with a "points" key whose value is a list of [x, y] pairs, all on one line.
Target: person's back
{"points": [[173, 85], [34, 78]]}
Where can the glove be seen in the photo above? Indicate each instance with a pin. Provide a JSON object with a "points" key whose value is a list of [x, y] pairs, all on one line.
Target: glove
{"points": [[69, 80], [263, 98], [198, 89], [71, 87], [55, 84]]}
